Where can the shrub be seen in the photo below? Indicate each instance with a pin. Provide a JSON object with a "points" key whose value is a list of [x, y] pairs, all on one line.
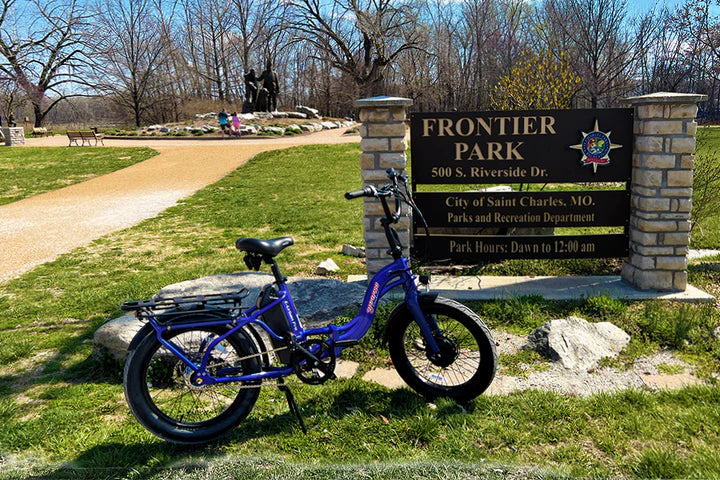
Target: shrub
{"points": [[669, 328], [537, 81]]}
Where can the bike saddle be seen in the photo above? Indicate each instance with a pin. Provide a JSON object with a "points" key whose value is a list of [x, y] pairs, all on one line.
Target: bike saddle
{"points": [[264, 247]]}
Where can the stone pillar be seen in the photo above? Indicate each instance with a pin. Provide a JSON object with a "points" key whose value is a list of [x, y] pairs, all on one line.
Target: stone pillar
{"points": [[14, 135], [661, 190], [383, 146]]}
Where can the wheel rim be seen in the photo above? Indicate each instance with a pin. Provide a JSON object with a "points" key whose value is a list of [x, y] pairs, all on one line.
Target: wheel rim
{"points": [[440, 371], [169, 386]]}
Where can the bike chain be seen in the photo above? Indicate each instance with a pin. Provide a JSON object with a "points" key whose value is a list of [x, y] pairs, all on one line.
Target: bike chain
{"points": [[263, 383], [239, 386]]}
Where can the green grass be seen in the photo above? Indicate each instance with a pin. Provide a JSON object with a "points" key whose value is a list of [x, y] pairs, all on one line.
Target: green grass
{"points": [[706, 231], [59, 406], [202, 468], [25, 172]]}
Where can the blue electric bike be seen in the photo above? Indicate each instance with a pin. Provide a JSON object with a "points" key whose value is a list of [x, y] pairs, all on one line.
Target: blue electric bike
{"points": [[195, 369]]}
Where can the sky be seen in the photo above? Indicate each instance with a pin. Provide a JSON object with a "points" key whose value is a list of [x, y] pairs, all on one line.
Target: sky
{"points": [[644, 5]]}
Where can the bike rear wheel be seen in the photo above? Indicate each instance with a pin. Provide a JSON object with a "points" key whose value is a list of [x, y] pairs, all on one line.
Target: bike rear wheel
{"points": [[467, 362], [161, 394]]}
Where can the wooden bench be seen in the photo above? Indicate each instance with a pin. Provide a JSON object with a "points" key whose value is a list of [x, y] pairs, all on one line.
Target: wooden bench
{"points": [[84, 136]]}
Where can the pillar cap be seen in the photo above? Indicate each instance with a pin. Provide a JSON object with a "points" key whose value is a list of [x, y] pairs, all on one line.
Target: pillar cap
{"points": [[383, 101], [666, 97]]}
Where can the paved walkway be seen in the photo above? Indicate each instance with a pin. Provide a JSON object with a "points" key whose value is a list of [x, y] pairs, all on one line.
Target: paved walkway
{"points": [[40, 228], [487, 287]]}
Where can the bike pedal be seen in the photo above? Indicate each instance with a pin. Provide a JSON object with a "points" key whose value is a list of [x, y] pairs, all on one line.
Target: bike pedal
{"points": [[346, 343]]}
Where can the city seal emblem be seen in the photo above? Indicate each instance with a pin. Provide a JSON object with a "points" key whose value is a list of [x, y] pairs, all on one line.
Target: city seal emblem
{"points": [[595, 148]]}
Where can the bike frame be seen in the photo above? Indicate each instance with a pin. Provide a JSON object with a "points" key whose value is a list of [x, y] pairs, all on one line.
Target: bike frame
{"points": [[396, 274]]}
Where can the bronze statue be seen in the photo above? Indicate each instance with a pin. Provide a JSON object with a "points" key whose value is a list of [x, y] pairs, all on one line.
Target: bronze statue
{"points": [[271, 84], [251, 87]]}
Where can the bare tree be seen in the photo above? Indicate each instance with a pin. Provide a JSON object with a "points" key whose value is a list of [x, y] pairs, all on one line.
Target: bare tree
{"points": [[207, 35], [699, 34], [603, 41], [258, 23], [664, 66], [361, 37], [42, 50], [131, 49]]}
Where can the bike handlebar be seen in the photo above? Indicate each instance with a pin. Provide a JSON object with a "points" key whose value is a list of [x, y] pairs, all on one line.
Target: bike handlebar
{"points": [[367, 191], [391, 189], [398, 188]]}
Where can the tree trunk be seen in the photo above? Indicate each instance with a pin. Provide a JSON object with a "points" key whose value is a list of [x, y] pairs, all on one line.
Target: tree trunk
{"points": [[39, 115]]}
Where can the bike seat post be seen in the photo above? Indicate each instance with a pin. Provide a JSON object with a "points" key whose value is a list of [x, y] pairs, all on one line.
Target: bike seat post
{"points": [[279, 278]]}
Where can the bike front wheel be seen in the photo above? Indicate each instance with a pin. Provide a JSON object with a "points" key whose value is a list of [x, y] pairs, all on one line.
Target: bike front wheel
{"points": [[160, 391], [466, 363]]}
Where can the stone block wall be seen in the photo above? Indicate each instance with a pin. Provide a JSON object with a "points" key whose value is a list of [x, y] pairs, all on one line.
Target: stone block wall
{"points": [[14, 135], [383, 145], [661, 190]]}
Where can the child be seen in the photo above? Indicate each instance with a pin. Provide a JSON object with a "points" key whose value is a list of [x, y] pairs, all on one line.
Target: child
{"points": [[236, 125], [223, 120]]}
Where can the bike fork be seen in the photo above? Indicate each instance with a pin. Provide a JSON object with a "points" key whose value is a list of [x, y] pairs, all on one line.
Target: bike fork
{"points": [[428, 326]]}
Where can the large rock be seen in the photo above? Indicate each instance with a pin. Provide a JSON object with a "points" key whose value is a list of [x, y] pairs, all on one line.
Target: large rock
{"points": [[248, 129], [311, 127], [111, 340], [310, 112], [578, 344], [317, 300], [273, 130]]}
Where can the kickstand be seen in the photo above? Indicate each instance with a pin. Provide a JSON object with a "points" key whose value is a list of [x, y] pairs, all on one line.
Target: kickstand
{"points": [[292, 404]]}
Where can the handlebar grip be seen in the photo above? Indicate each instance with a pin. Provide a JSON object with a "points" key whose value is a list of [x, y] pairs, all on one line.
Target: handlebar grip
{"points": [[367, 191]]}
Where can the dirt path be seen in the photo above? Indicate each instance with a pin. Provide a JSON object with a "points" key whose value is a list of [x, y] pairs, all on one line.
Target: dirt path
{"points": [[40, 228]]}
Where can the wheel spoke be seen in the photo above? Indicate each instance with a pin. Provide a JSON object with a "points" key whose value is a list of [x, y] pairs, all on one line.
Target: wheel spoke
{"points": [[458, 368], [177, 398]]}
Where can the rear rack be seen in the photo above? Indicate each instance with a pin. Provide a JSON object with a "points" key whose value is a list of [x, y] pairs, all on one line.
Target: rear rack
{"points": [[162, 305]]}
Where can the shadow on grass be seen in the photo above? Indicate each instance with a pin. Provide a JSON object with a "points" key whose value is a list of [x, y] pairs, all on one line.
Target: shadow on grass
{"points": [[128, 461], [371, 400], [148, 460]]}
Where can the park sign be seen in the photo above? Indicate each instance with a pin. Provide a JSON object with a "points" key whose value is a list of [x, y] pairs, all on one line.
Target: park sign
{"points": [[522, 146], [546, 147]]}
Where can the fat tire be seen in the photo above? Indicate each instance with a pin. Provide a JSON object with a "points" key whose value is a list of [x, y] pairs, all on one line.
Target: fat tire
{"points": [[152, 417], [397, 327]]}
